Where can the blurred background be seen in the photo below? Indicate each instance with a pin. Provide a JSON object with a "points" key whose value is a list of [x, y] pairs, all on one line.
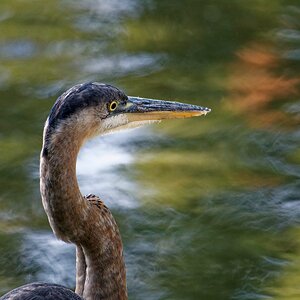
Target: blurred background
{"points": [[208, 207]]}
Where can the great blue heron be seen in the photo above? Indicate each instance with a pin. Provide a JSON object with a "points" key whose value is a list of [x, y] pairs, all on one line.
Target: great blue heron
{"points": [[80, 113]]}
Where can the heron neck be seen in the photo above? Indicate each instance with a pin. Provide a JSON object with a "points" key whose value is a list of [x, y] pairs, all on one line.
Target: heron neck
{"points": [[74, 219], [60, 192]]}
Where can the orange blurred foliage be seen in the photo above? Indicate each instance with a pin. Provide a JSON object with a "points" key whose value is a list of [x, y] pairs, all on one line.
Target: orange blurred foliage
{"points": [[255, 83]]}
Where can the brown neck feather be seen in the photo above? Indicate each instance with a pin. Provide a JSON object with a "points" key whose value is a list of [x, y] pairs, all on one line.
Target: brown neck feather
{"points": [[88, 224]]}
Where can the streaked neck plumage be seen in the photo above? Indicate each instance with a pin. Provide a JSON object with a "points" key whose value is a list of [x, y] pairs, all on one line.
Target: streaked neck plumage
{"points": [[79, 220]]}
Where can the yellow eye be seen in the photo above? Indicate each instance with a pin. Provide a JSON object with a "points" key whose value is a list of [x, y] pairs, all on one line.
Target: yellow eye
{"points": [[113, 105]]}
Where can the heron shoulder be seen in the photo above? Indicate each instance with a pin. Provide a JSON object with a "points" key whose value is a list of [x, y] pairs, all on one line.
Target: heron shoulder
{"points": [[103, 214], [41, 290]]}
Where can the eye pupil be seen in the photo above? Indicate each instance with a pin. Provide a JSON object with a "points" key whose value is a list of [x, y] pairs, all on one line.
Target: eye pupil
{"points": [[113, 105]]}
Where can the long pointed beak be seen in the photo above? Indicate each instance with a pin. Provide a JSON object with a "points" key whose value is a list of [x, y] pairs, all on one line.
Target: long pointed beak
{"points": [[142, 109]]}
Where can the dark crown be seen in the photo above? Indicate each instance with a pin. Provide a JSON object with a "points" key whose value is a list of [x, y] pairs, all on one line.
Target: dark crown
{"points": [[81, 96]]}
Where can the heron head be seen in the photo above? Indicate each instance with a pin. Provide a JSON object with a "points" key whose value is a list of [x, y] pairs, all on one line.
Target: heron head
{"points": [[95, 108]]}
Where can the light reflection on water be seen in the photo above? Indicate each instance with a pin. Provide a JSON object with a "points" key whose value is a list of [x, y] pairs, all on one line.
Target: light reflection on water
{"points": [[53, 260], [125, 64], [103, 166]]}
